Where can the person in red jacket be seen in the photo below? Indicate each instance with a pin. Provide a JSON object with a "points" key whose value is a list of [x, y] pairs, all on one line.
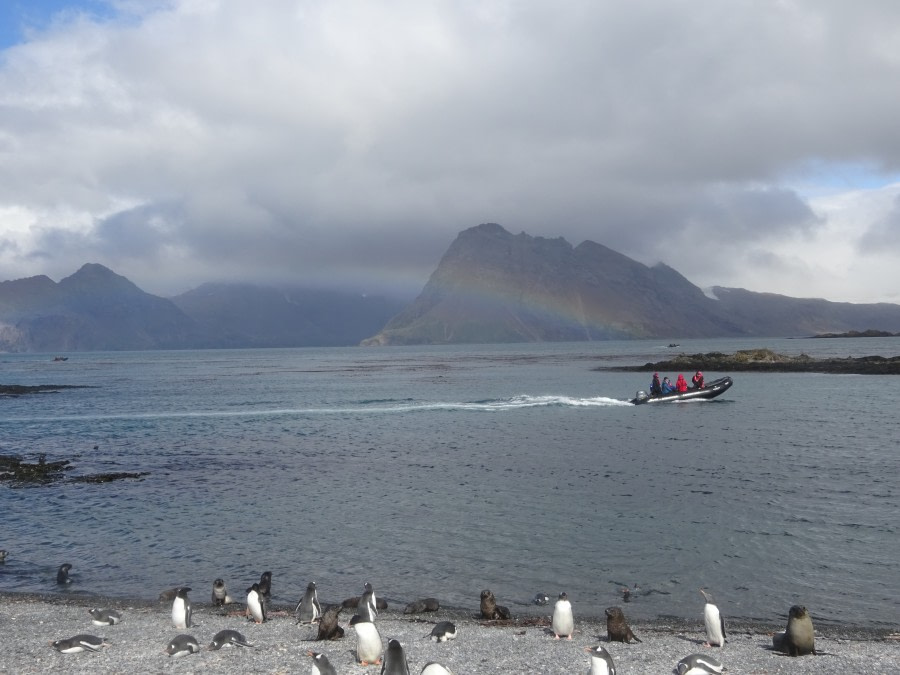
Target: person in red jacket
{"points": [[681, 383], [697, 380]]}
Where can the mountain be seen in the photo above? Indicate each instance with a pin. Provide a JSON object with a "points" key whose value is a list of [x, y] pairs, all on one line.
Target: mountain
{"points": [[493, 286], [96, 309]]}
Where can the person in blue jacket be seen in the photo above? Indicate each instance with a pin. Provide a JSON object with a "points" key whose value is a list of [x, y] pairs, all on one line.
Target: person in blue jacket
{"points": [[667, 386]]}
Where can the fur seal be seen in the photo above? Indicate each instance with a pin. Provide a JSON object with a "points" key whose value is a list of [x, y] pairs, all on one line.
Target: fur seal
{"points": [[617, 629], [181, 608], [368, 641], [80, 643], [182, 645], [228, 637], [715, 624], [62, 574], [265, 585], [490, 610], [698, 664], [321, 665], [167, 595], [256, 604], [328, 624], [220, 596], [308, 609], [3, 554], [563, 622], [422, 605], [601, 661], [443, 631], [799, 636], [104, 617], [395, 660]]}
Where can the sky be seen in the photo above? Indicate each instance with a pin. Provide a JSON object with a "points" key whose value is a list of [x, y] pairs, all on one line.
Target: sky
{"points": [[749, 143]]}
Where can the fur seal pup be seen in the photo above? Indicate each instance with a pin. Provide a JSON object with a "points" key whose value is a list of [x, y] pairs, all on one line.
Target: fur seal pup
{"points": [[80, 643], [62, 574], [321, 665], [3, 554], [617, 629], [394, 660], [422, 605], [698, 664], [328, 624], [715, 624], [601, 661], [368, 641], [265, 585], [228, 637], [541, 599], [220, 596], [490, 610], [256, 604], [182, 645], [563, 622], [799, 636], [443, 631], [167, 595], [181, 608], [308, 609], [104, 617], [434, 668]]}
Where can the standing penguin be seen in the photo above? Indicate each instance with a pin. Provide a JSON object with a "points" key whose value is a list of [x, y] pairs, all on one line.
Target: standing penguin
{"points": [[617, 629], [181, 608], [265, 585], [368, 604], [321, 665], [220, 596], [395, 660], [368, 641], [601, 661], [256, 604], [62, 574], [308, 609], [563, 622], [715, 624]]}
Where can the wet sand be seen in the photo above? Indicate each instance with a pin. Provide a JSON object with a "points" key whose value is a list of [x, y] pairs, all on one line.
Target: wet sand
{"points": [[30, 623]]}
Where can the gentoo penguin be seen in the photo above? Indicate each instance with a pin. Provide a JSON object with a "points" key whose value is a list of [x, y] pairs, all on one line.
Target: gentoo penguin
{"points": [[541, 599], [256, 604], [80, 643], [799, 636], [422, 605], [563, 623], [490, 609], [328, 624], [715, 624], [321, 665], [182, 645], [698, 664], [443, 631], [434, 668], [617, 628], [181, 608], [220, 596], [228, 637], [368, 641], [308, 609], [601, 661], [265, 585], [368, 605], [394, 660], [62, 574], [105, 617]]}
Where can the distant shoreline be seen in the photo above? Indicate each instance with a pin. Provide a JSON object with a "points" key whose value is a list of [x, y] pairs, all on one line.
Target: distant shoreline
{"points": [[767, 361]]}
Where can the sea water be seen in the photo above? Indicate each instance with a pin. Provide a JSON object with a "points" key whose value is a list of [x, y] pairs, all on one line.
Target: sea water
{"points": [[442, 471]]}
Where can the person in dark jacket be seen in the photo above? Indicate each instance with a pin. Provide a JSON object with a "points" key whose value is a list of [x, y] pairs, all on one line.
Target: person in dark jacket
{"points": [[697, 380], [655, 386]]}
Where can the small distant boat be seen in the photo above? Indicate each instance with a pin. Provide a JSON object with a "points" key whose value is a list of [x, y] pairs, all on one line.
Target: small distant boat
{"points": [[60, 358], [711, 390], [674, 344]]}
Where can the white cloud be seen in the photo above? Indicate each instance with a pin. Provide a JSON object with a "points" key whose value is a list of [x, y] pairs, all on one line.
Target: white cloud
{"points": [[182, 141]]}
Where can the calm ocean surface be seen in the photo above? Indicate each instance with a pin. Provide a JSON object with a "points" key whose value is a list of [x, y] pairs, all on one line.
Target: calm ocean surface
{"points": [[441, 471]]}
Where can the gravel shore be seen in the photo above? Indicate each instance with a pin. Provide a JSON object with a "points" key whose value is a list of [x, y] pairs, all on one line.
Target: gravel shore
{"points": [[136, 645]]}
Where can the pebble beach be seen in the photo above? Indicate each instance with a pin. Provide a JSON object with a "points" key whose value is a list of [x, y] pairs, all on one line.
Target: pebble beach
{"points": [[30, 623]]}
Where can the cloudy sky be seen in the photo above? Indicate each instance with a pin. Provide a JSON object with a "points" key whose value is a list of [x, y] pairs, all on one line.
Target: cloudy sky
{"points": [[748, 143]]}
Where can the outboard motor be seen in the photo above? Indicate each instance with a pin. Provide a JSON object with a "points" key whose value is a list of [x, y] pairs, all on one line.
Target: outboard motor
{"points": [[641, 397]]}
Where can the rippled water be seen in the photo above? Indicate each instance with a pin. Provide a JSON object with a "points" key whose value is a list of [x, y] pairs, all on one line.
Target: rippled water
{"points": [[445, 470]]}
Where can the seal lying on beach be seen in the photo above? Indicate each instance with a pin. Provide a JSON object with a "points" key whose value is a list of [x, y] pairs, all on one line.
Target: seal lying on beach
{"points": [[490, 610], [422, 605], [798, 639], [617, 629]]}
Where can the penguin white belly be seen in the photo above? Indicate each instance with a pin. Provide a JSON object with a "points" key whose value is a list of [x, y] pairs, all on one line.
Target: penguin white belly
{"points": [[368, 642], [713, 620], [563, 622], [179, 613]]}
